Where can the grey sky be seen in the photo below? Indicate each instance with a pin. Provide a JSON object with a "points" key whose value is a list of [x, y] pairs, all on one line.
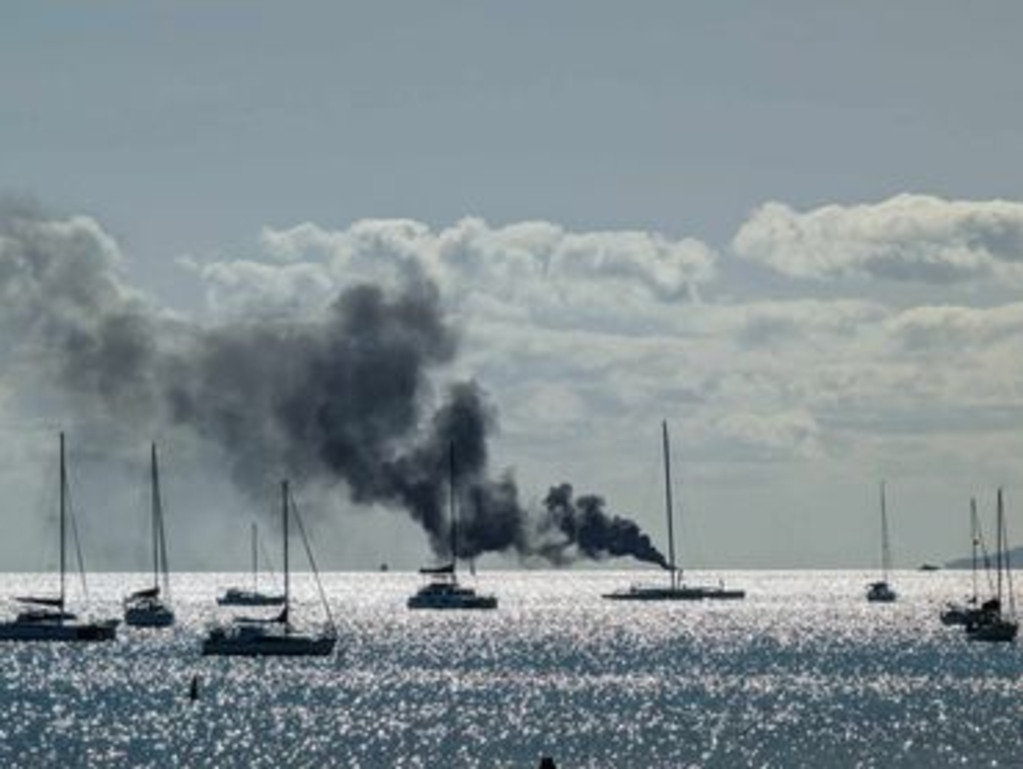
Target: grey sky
{"points": [[187, 128]]}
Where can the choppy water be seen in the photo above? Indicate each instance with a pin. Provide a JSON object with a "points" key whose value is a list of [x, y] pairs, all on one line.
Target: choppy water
{"points": [[802, 673]]}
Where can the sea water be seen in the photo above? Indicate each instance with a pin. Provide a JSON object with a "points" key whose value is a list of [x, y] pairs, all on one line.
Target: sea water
{"points": [[803, 672]]}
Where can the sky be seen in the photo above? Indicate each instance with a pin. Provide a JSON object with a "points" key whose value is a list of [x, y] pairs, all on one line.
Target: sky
{"points": [[793, 231]]}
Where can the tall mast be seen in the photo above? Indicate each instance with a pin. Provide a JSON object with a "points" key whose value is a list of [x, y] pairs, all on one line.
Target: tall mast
{"points": [[667, 500], [1001, 542], [287, 586], [154, 508], [452, 505], [255, 562], [975, 540], [1008, 563], [161, 535], [885, 552], [63, 523]]}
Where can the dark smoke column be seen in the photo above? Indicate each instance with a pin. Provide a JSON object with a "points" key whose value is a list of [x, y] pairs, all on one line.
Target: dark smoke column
{"points": [[347, 396]]}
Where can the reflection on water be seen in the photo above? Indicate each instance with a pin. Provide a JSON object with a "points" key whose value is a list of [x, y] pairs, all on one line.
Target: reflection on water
{"points": [[802, 673]]}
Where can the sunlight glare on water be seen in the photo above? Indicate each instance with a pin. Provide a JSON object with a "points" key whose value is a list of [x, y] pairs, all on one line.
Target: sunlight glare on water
{"points": [[804, 672]]}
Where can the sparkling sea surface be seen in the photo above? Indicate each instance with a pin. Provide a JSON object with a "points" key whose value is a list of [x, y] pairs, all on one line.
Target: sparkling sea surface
{"points": [[804, 672]]}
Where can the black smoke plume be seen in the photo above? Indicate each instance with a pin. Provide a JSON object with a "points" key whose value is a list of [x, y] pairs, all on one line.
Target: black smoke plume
{"points": [[594, 532], [345, 396]]}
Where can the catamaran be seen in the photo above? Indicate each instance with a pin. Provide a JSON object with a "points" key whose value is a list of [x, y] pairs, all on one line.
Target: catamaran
{"points": [[47, 618], [676, 589], [442, 590], [880, 591], [240, 596], [247, 637], [149, 607]]}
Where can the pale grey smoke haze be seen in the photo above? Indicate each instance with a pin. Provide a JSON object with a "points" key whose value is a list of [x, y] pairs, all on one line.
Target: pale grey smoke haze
{"points": [[793, 231]]}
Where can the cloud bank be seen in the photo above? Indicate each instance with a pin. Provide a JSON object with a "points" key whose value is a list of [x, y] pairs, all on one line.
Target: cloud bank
{"points": [[905, 238], [575, 344]]}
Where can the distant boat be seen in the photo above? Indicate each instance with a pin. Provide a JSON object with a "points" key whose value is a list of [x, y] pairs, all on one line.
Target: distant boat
{"points": [[881, 591], [149, 607], [47, 618], [675, 590], [442, 590], [240, 596], [275, 636], [993, 624]]}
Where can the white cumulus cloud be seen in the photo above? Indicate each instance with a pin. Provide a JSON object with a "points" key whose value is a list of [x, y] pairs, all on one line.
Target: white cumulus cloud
{"points": [[529, 269], [905, 238]]}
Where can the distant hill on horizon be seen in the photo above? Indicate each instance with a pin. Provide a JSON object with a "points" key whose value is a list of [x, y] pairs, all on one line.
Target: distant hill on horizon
{"points": [[1015, 560]]}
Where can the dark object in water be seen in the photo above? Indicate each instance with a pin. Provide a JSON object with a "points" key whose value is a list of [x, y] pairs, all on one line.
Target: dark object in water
{"points": [[929, 567], [193, 688], [547, 763]]}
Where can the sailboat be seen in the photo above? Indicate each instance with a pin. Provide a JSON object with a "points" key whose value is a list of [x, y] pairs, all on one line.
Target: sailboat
{"points": [[969, 612], [47, 618], [992, 624], [246, 637], [675, 590], [442, 590], [148, 607], [880, 591], [240, 596]]}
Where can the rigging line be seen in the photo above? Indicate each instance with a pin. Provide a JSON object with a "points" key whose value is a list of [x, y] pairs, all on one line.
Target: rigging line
{"points": [[269, 562], [163, 565], [78, 542], [1008, 567], [312, 563], [986, 557]]}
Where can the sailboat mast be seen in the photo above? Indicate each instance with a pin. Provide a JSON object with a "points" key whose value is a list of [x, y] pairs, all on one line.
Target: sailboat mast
{"points": [[63, 524], [161, 534], [154, 504], [885, 553], [1008, 564], [287, 585], [452, 505], [1001, 543], [975, 540], [666, 450], [255, 562]]}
